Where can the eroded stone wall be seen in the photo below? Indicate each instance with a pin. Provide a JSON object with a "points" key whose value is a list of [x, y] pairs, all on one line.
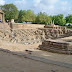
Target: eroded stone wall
{"points": [[24, 26], [30, 36], [56, 46]]}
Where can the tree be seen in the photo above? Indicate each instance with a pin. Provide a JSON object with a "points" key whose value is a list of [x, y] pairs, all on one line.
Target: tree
{"points": [[21, 16], [10, 10], [42, 18], [27, 16], [59, 20], [68, 18]]}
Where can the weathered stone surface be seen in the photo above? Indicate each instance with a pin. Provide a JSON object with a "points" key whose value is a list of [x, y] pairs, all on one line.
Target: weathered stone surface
{"points": [[31, 36], [57, 46]]}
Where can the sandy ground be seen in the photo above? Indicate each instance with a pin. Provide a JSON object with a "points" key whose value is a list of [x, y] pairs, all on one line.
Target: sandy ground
{"points": [[20, 48], [13, 63]]}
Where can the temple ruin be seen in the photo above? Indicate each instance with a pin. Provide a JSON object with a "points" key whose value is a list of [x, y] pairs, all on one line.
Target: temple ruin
{"points": [[36, 33]]}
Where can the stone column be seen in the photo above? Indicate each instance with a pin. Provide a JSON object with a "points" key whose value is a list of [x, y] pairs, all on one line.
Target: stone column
{"points": [[11, 26], [3, 18]]}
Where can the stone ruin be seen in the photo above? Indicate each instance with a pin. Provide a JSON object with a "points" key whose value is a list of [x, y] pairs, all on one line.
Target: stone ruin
{"points": [[56, 28], [57, 46], [29, 36], [32, 33]]}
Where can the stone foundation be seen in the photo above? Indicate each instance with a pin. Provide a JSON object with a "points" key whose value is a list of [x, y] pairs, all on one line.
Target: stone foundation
{"points": [[58, 46]]}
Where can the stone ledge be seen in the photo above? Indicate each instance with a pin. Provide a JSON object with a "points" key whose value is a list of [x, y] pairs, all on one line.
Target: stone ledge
{"points": [[57, 46]]}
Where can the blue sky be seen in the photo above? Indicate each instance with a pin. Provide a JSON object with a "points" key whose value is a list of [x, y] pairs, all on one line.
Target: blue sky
{"points": [[51, 7]]}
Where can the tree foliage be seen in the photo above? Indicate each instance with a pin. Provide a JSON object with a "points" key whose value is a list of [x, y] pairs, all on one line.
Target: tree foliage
{"points": [[27, 16], [68, 18], [59, 19], [42, 18], [10, 11], [21, 16]]}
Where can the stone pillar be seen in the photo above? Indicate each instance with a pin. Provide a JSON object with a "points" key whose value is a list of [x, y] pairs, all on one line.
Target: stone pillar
{"points": [[11, 26], [3, 19]]}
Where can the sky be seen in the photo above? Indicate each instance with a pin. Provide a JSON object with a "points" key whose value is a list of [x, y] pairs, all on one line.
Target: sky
{"points": [[51, 7]]}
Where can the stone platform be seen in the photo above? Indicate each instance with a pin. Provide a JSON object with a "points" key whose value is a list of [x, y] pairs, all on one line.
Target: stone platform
{"points": [[58, 46]]}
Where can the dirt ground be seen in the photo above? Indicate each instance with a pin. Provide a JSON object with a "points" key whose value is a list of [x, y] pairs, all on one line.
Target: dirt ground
{"points": [[13, 63], [20, 48]]}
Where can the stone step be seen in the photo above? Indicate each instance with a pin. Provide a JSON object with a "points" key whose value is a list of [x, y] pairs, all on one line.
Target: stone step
{"points": [[56, 50]]}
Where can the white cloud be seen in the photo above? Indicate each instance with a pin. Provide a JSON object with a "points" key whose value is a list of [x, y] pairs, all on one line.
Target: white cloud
{"points": [[20, 2], [36, 2], [45, 2], [64, 2], [51, 7], [2, 2], [45, 5], [63, 8], [49, 1]]}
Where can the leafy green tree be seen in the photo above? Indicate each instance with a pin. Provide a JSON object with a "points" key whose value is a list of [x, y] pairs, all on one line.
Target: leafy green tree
{"points": [[10, 10], [30, 16], [42, 18], [59, 20], [21, 16], [27, 16], [68, 18]]}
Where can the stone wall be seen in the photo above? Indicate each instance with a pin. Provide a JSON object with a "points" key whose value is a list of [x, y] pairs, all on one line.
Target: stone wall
{"points": [[24, 36], [30, 35], [58, 46], [54, 33], [24, 26]]}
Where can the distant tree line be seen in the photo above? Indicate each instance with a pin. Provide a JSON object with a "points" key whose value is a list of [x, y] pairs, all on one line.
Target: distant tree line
{"points": [[11, 12]]}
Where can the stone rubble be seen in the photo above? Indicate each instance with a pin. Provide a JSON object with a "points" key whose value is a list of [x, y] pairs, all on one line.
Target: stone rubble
{"points": [[31, 36]]}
